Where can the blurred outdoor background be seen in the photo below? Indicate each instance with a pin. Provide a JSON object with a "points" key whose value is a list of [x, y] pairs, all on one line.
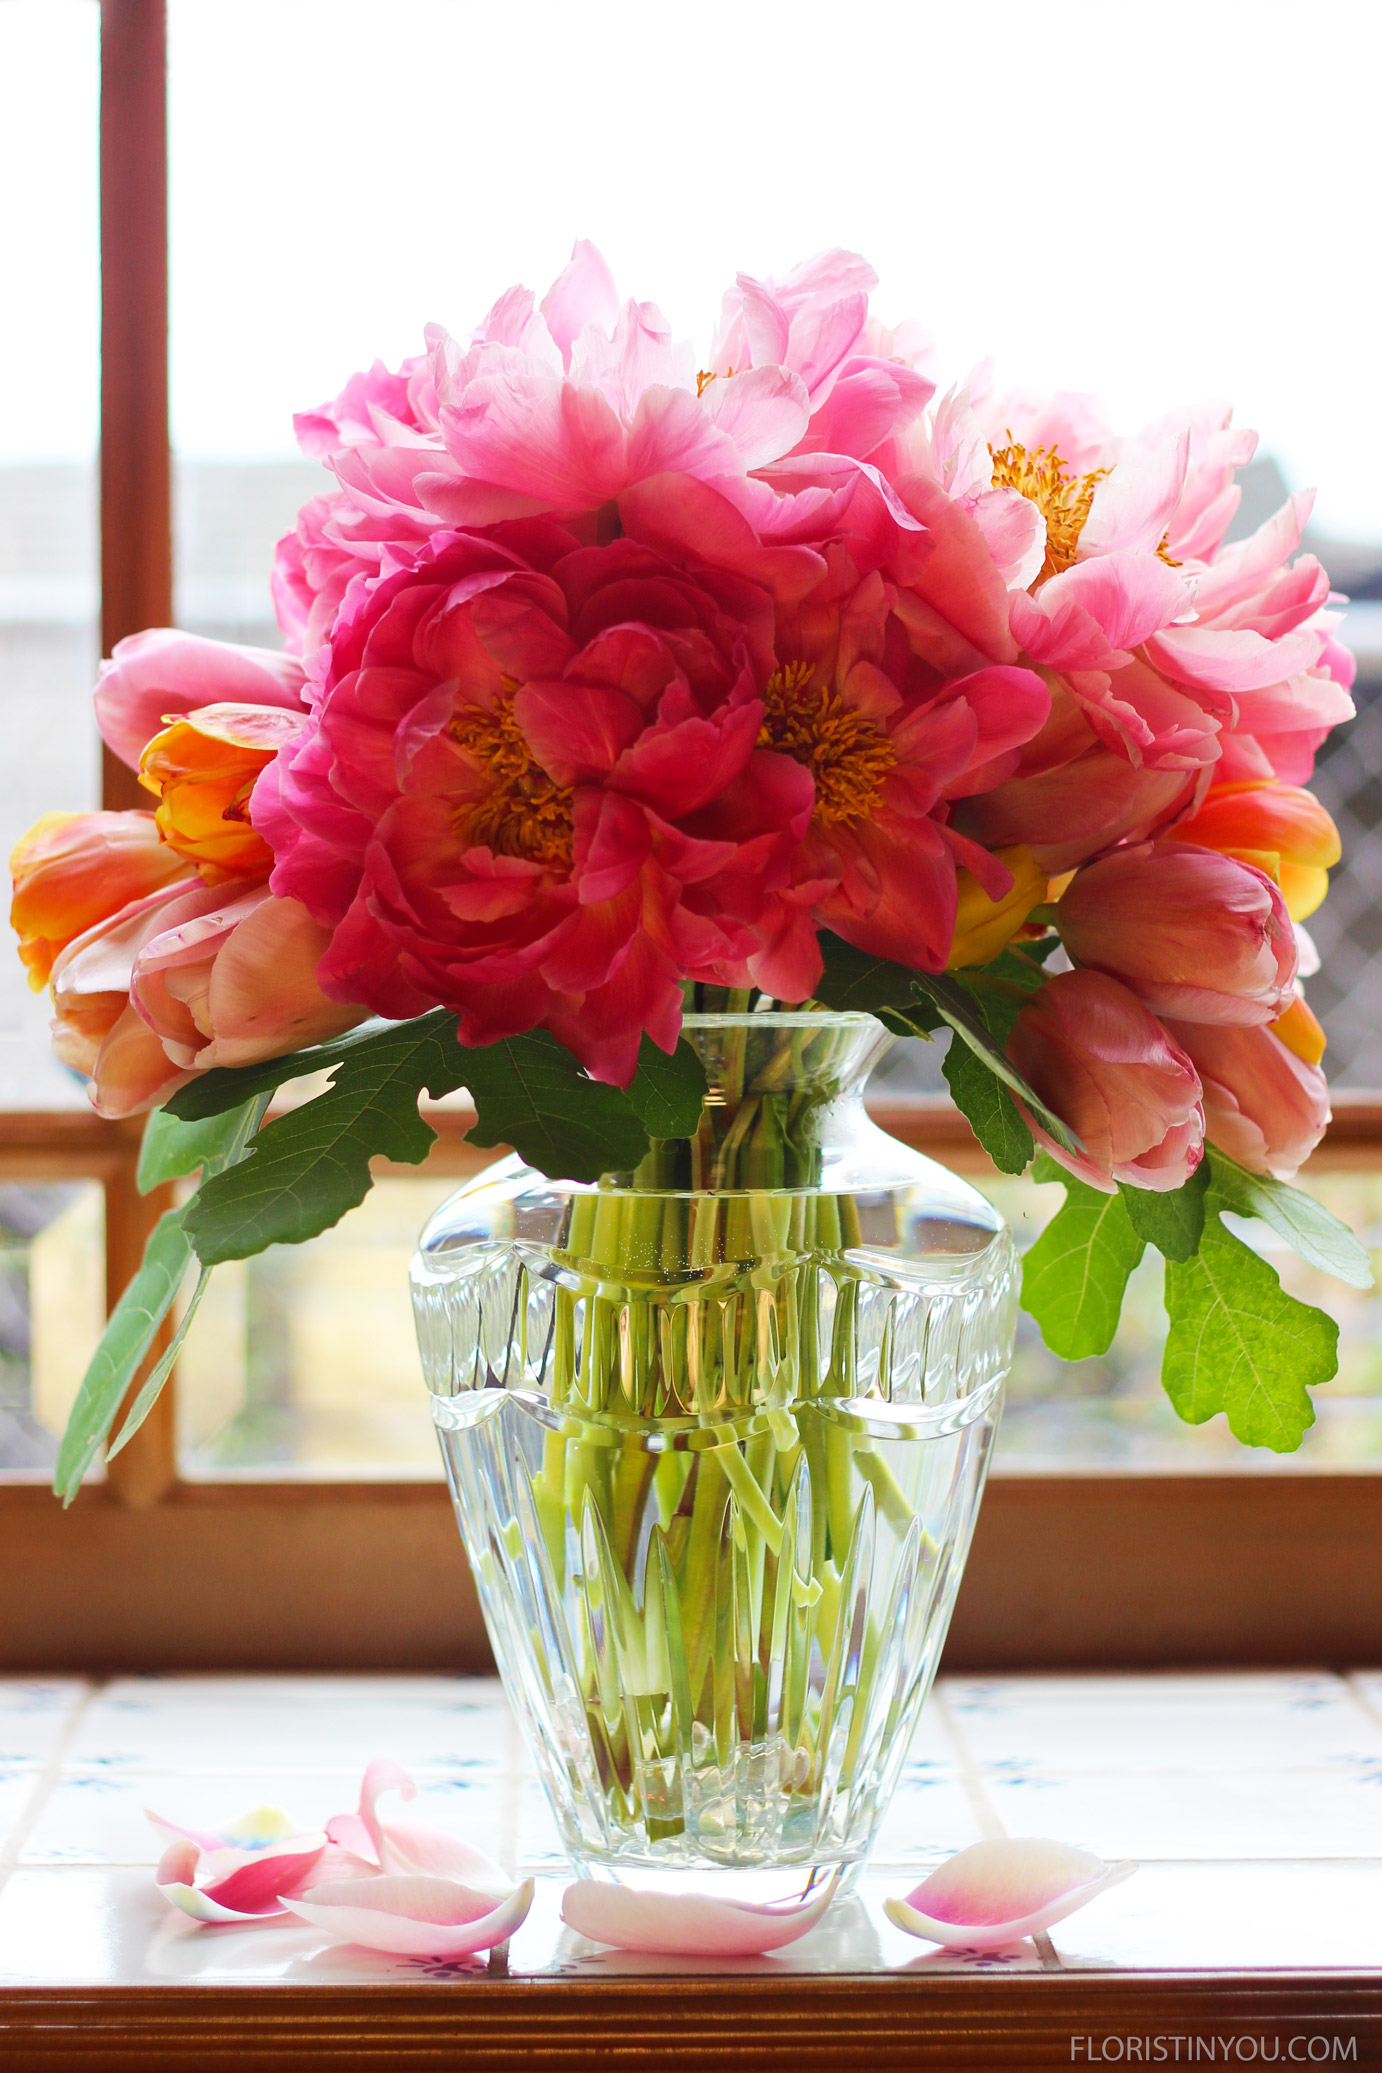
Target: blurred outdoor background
{"points": [[1148, 204]]}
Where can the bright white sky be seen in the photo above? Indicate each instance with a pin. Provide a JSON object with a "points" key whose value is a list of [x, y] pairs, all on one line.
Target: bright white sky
{"points": [[1154, 202]]}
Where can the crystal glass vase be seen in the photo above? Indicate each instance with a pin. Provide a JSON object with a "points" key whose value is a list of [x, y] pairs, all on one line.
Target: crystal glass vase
{"points": [[717, 1431]]}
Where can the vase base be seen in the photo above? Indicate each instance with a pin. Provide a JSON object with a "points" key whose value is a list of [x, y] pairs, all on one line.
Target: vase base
{"points": [[747, 1884]]}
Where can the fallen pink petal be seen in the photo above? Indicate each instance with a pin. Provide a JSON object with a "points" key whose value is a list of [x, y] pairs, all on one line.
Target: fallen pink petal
{"points": [[995, 1893], [410, 1846], [237, 1876], [413, 1915], [688, 1925]]}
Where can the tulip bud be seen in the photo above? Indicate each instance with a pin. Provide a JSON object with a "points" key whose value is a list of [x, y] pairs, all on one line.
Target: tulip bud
{"points": [[73, 870], [1106, 1066], [1282, 829], [983, 926], [1264, 1105], [203, 770], [1196, 935]]}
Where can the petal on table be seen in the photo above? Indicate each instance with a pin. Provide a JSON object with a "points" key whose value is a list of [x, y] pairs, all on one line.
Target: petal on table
{"points": [[689, 1925], [229, 1885], [410, 1846], [995, 1893], [413, 1915]]}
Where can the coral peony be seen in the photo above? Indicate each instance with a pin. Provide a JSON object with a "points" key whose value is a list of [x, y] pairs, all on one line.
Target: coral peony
{"points": [[1104, 1063], [1195, 934], [73, 870], [511, 797], [1264, 1104]]}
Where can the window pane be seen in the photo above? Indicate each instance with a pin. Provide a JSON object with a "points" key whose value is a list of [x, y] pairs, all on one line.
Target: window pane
{"points": [[49, 383], [1113, 1413], [304, 1360], [52, 1308]]}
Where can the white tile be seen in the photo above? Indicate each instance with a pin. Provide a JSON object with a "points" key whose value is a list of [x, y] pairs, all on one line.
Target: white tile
{"points": [[287, 1724], [17, 1789], [1231, 1917], [1166, 1723], [33, 1713], [931, 1816], [98, 1816], [1157, 1814]]}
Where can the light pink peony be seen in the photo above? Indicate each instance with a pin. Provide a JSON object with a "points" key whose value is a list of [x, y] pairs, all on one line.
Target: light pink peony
{"points": [[512, 797], [1194, 933], [1263, 1104], [1106, 1066]]}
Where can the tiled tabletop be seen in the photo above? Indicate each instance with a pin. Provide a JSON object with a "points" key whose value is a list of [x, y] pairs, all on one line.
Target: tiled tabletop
{"points": [[1252, 1802]]}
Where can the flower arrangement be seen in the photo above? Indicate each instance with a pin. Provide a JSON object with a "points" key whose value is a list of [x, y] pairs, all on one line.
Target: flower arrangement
{"points": [[612, 685]]}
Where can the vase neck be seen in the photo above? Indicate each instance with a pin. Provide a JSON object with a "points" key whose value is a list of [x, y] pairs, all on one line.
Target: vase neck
{"points": [[780, 1086]]}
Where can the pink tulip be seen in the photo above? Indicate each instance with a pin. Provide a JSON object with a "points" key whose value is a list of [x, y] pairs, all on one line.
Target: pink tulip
{"points": [[687, 1925], [237, 1876], [1264, 1105], [993, 1894], [186, 980], [1195, 934], [154, 677], [1106, 1066]]}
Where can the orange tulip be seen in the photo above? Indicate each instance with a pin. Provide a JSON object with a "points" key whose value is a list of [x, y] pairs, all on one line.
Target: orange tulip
{"points": [[203, 767], [1300, 1030], [1282, 829], [73, 870]]}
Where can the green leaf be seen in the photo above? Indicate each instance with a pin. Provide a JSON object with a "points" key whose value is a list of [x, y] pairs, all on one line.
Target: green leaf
{"points": [[1074, 1277], [307, 1168], [668, 1094], [1239, 1344], [1003, 987], [227, 1087], [1306, 1225], [127, 1338], [529, 1092], [172, 1148], [915, 1003], [163, 1368], [1171, 1222], [991, 1110]]}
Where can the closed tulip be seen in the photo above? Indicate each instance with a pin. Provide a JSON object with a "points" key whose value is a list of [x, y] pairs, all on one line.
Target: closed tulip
{"points": [[73, 870], [1282, 829], [1109, 1069], [1194, 934], [1264, 1104]]}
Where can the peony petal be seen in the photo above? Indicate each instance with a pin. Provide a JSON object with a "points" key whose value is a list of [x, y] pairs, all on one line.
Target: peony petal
{"points": [[219, 1884], [687, 1924], [410, 1846], [995, 1893], [413, 1915]]}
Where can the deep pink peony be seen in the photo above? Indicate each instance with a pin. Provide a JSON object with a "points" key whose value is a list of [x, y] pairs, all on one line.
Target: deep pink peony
{"points": [[1194, 933], [1106, 1066], [511, 800]]}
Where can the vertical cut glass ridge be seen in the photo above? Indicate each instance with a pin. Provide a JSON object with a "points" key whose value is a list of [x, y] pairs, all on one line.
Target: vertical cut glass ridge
{"points": [[717, 1431]]}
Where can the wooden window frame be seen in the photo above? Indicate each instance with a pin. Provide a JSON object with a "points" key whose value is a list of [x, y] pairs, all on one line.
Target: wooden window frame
{"points": [[147, 1571]]}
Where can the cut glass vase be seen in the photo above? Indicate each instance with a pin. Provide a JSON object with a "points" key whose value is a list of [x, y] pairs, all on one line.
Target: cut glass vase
{"points": [[717, 1431]]}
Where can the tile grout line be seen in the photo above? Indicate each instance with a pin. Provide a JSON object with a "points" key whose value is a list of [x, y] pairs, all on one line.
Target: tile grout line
{"points": [[1361, 1696], [48, 1776], [985, 1813]]}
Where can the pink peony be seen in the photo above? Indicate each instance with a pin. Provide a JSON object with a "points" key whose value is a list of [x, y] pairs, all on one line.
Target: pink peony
{"points": [[511, 798], [1264, 1105], [1195, 934], [1104, 1063]]}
